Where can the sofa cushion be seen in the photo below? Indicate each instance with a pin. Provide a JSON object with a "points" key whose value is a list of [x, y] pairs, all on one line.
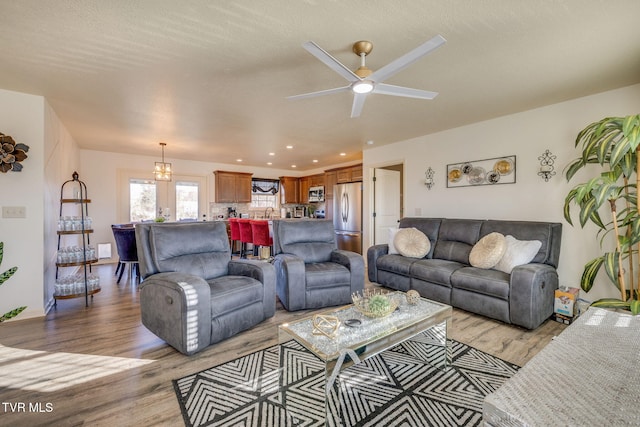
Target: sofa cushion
{"points": [[201, 251], [326, 274], [395, 264], [456, 238], [229, 293], [311, 240], [429, 226], [411, 242], [488, 251], [487, 282], [518, 252], [437, 271]]}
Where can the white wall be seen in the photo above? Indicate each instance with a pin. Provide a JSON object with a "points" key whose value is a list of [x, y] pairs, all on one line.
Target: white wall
{"points": [[526, 135], [22, 117]]}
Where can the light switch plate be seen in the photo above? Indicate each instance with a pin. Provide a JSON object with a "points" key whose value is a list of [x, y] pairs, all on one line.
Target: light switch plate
{"points": [[14, 212]]}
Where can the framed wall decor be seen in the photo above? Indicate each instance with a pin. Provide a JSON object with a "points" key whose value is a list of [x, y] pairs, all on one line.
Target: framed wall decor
{"points": [[499, 170]]}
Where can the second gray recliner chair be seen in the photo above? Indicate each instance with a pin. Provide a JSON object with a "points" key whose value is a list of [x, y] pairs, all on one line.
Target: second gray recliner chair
{"points": [[311, 272]]}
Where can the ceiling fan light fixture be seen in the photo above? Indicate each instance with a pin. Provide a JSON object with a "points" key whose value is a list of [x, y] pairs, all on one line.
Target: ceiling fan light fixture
{"points": [[364, 86]]}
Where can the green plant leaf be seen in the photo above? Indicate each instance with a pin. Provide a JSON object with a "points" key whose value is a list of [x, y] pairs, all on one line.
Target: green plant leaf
{"points": [[4, 276], [12, 313], [589, 273], [634, 306], [611, 303]]}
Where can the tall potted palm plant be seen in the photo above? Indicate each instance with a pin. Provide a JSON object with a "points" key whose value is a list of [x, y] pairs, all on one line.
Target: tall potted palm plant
{"points": [[613, 143], [3, 278]]}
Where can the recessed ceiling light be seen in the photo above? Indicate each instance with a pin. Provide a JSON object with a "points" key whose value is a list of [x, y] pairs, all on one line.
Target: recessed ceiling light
{"points": [[269, 163], [343, 154], [272, 154], [293, 166], [315, 160], [369, 142], [238, 160], [289, 147]]}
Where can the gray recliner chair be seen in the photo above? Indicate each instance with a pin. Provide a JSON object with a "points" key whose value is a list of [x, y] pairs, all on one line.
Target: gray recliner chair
{"points": [[192, 294], [311, 272]]}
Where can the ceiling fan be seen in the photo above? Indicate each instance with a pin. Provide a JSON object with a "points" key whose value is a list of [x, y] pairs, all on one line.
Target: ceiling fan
{"points": [[363, 81]]}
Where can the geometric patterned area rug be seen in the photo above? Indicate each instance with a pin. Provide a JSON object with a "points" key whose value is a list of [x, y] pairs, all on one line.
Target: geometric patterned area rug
{"points": [[393, 388]]}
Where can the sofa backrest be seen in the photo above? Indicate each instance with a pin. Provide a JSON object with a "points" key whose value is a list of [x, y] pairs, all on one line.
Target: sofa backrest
{"points": [[453, 239], [549, 233], [456, 239], [312, 240], [198, 248]]}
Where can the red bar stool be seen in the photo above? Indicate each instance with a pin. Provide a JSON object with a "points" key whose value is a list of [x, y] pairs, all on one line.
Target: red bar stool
{"points": [[246, 235], [261, 237], [235, 235]]}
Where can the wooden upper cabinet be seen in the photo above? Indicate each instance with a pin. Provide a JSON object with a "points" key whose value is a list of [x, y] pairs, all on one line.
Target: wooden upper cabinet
{"points": [[289, 189], [316, 180], [330, 179], [304, 189], [349, 174], [232, 187]]}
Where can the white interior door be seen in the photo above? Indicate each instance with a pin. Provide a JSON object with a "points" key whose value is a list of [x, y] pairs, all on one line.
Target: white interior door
{"points": [[386, 203]]}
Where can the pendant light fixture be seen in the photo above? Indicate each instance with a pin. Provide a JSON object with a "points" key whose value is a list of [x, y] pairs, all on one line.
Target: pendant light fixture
{"points": [[162, 171]]}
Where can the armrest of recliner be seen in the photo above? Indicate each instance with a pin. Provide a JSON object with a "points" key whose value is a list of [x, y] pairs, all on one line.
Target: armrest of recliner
{"points": [[531, 294], [290, 281], [373, 253], [263, 272], [177, 308], [355, 263]]}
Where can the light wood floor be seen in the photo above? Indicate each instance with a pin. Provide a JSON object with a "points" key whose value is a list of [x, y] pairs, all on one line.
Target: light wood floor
{"points": [[98, 366]]}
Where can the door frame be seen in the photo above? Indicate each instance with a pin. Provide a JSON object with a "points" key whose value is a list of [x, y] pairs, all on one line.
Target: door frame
{"points": [[370, 222]]}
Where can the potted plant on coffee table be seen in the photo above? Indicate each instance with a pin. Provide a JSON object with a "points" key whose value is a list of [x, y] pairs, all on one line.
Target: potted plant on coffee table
{"points": [[613, 144]]}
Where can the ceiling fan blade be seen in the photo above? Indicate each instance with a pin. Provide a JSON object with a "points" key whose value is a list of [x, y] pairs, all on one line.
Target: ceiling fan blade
{"points": [[320, 93], [330, 61], [358, 103], [385, 89], [407, 59]]}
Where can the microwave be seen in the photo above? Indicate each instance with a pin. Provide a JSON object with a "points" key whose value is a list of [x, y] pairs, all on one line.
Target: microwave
{"points": [[316, 194]]}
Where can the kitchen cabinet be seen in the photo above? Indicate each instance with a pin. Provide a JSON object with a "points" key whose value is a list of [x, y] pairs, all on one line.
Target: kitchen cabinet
{"points": [[348, 174], [330, 179], [289, 190], [232, 187], [304, 183], [316, 180]]}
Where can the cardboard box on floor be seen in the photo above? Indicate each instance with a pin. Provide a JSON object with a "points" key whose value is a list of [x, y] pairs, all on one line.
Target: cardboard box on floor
{"points": [[565, 308]]}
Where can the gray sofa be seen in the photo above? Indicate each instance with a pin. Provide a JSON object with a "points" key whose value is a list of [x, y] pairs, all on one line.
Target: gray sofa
{"points": [[192, 294], [524, 297], [311, 272]]}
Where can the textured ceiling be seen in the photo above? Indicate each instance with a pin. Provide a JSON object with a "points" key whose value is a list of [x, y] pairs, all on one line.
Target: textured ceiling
{"points": [[210, 78]]}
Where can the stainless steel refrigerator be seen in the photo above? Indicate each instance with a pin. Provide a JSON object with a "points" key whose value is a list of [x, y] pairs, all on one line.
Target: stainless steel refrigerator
{"points": [[347, 216]]}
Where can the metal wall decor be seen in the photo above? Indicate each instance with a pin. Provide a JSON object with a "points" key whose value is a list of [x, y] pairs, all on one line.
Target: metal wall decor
{"points": [[547, 170], [428, 178], [11, 154], [499, 170]]}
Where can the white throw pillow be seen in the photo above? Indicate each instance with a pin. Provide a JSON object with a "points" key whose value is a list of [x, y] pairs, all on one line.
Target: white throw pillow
{"points": [[488, 251], [518, 252], [411, 242], [392, 235]]}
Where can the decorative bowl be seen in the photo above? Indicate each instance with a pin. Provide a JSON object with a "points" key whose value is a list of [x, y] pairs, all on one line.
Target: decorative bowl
{"points": [[374, 303]]}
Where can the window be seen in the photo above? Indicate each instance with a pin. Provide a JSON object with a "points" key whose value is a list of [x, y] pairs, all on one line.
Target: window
{"points": [[186, 200], [142, 200], [263, 193]]}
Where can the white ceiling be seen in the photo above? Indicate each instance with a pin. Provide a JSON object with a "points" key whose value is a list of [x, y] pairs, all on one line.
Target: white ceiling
{"points": [[210, 77]]}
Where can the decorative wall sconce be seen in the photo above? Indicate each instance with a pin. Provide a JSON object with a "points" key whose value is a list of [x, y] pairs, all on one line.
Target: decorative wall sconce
{"points": [[547, 170], [162, 171], [428, 178]]}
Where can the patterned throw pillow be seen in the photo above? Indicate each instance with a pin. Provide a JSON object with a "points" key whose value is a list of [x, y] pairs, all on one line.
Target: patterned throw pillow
{"points": [[411, 242], [488, 251]]}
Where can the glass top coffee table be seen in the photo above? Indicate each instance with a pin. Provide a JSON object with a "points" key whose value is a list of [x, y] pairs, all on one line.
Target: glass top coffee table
{"points": [[359, 337]]}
